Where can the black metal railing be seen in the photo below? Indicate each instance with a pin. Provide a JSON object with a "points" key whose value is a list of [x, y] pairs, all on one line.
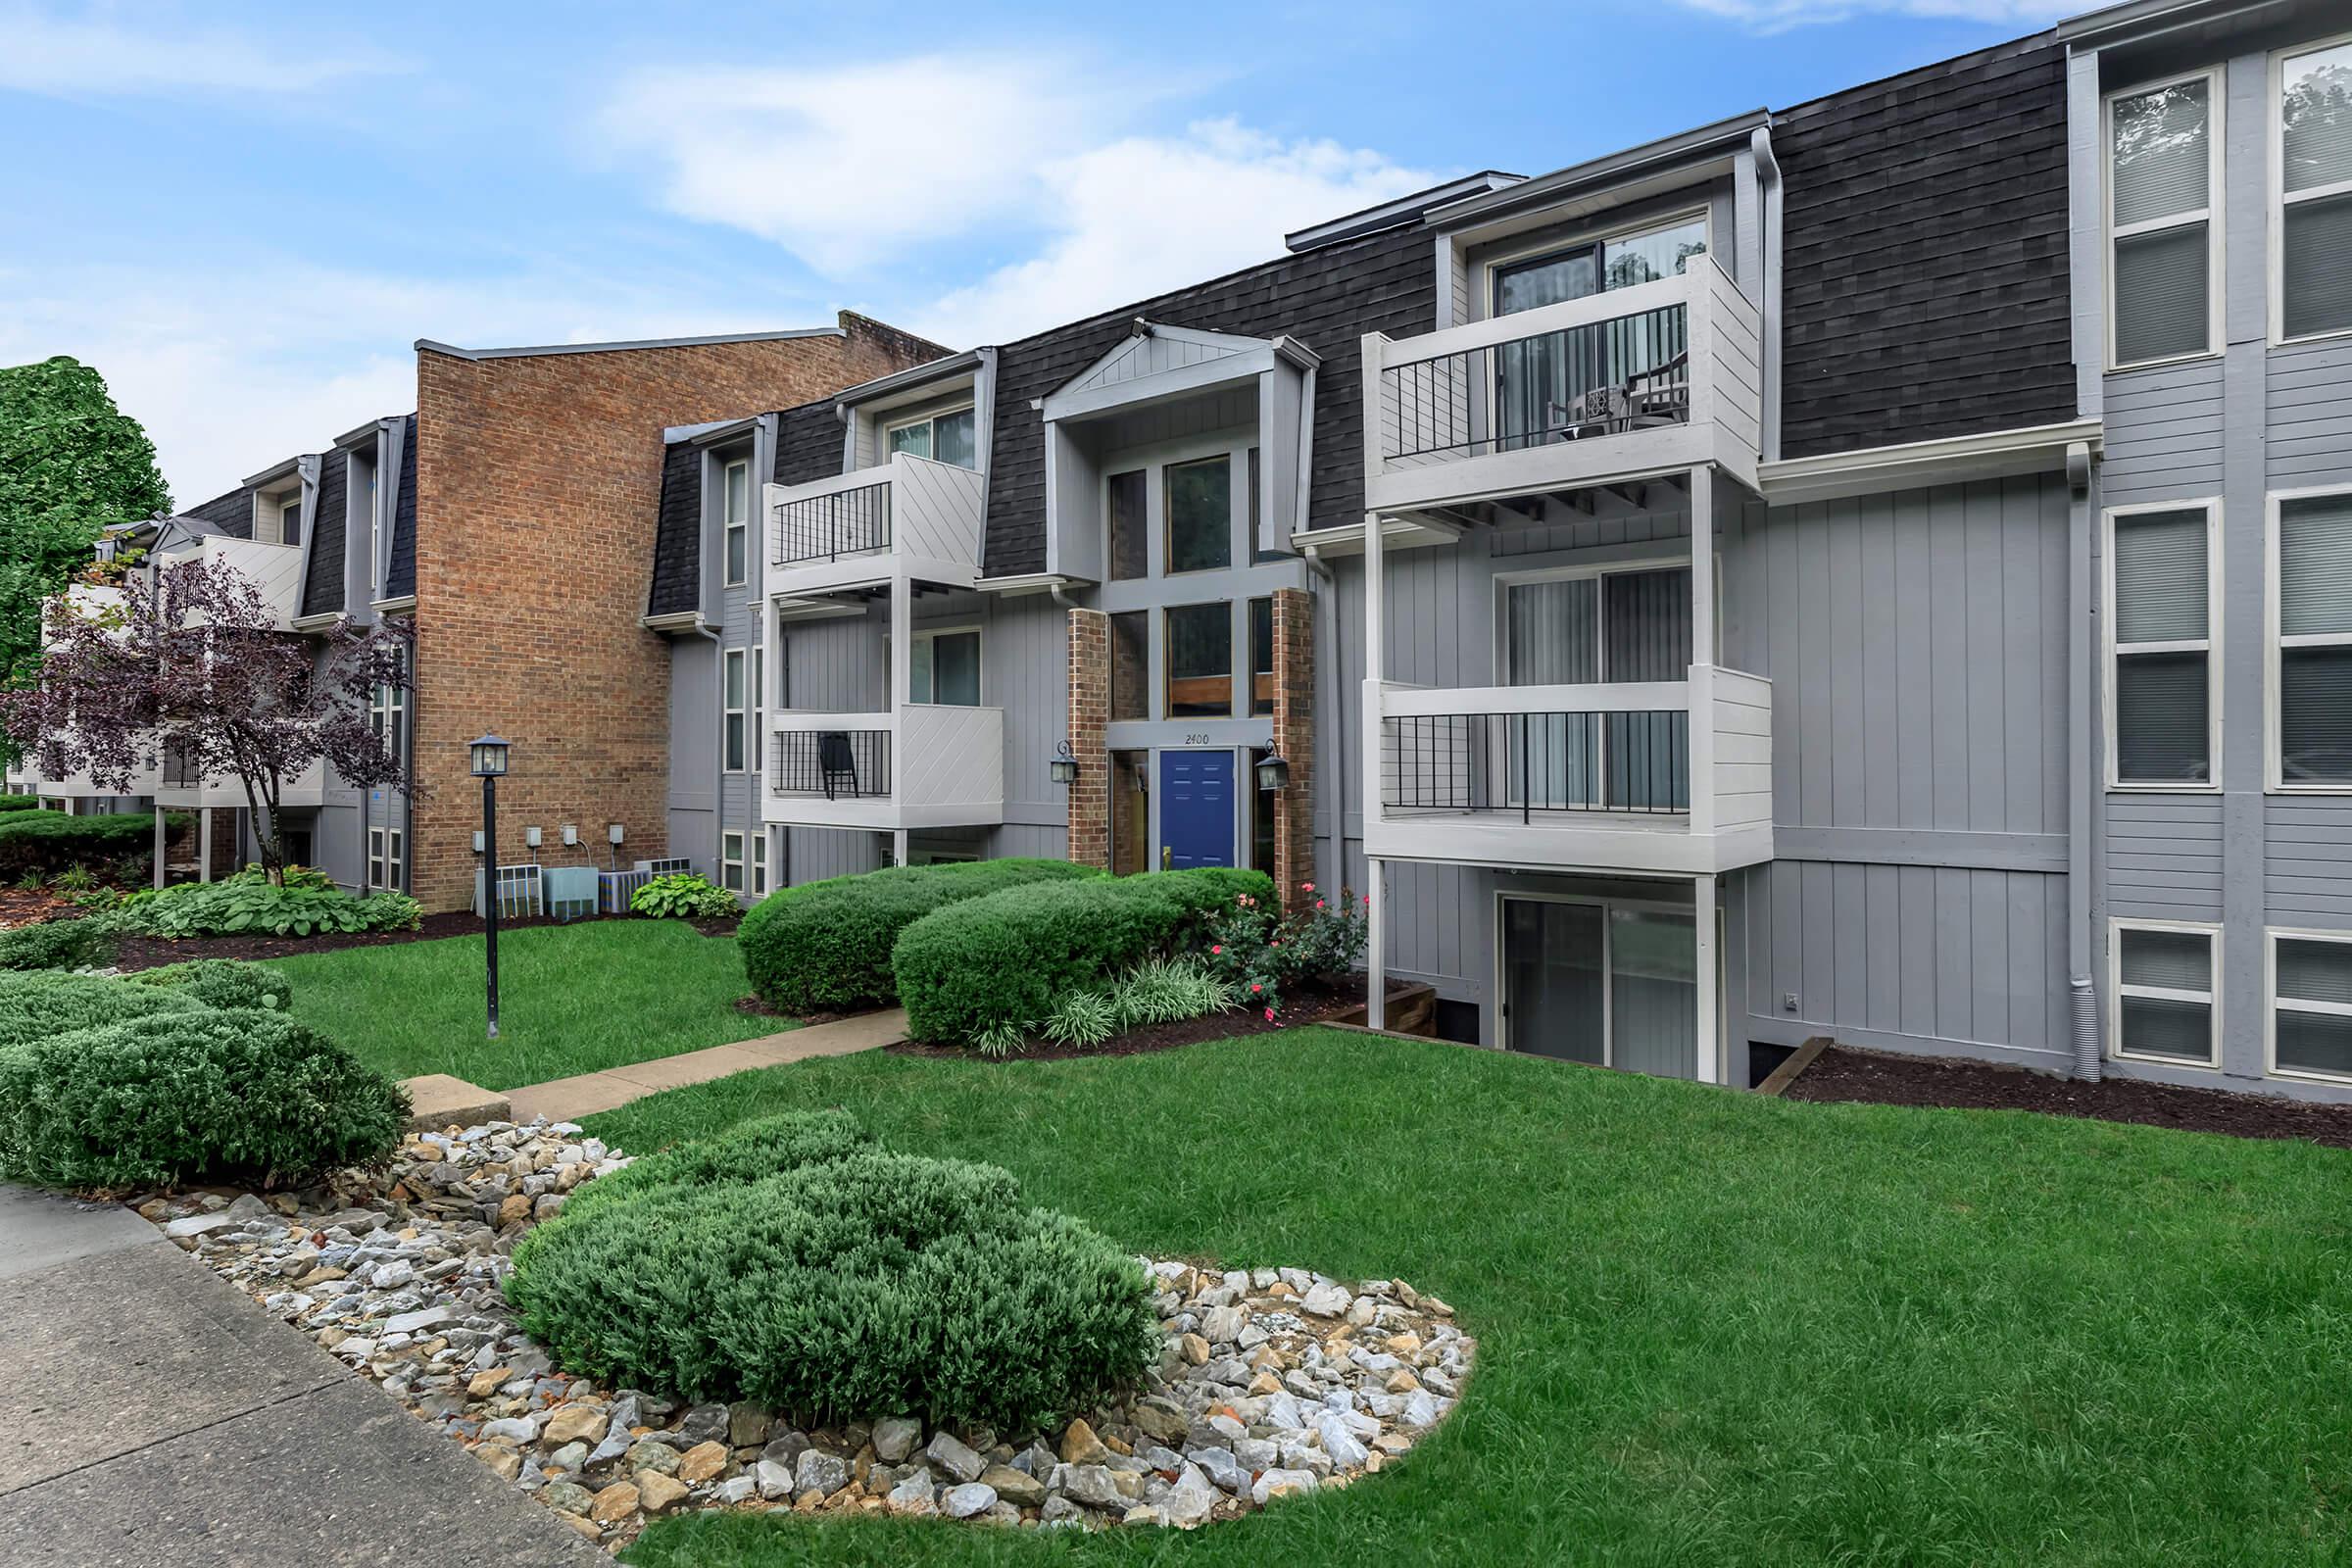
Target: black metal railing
{"points": [[842, 522], [178, 772], [1531, 764], [1631, 372], [839, 764]]}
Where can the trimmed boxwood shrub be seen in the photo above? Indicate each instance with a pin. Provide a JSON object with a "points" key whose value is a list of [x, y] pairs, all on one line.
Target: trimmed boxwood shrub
{"points": [[240, 1095], [225, 983], [864, 1284], [1010, 956], [747, 1152], [48, 842], [19, 802], [43, 1005], [86, 943], [825, 947]]}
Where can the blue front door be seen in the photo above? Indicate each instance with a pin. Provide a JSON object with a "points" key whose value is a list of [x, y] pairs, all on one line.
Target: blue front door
{"points": [[1196, 808]]}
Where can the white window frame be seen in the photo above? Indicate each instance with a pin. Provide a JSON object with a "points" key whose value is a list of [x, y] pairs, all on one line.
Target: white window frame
{"points": [[894, 426], [755, 743], [2278, 199], [731, 527], [2211, 214], [916, 649], [1500, 966], [731, 864], [1482, 294], [2271, 938], [2210, 645], [388, 715], [2273, 641], [734, 717], [387, 858], [758, 868], [2211, 998]]}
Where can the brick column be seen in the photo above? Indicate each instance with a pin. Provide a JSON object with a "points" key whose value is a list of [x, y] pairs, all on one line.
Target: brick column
{"points": [[1090, 721], [1295, 740]]}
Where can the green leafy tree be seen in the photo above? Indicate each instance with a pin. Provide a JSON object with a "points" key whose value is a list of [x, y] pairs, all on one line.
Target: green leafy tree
{"points": [[71, 465]]}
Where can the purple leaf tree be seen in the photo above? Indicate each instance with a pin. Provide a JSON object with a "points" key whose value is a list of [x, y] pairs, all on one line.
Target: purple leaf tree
{"points": [[187, 672]]}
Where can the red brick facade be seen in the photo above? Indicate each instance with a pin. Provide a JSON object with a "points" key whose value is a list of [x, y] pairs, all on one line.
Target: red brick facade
{"points": [[538, 479], [1089, 723], [1294, 743]]}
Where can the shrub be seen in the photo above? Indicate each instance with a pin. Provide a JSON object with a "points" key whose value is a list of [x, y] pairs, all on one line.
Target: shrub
{"points": [[244, 1097], [748, 1151], [223, 983], [1264, 953], [1008, 957], [249, 904], [86, 943], [46, 843], [1167, 989], [19, 802], [863, 1284], [37, 1007], [826, 946], [684, 897]]}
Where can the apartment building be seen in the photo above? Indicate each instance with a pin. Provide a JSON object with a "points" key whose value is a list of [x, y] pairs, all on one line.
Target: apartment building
{"points": [[506, 518], [1862, 569]]}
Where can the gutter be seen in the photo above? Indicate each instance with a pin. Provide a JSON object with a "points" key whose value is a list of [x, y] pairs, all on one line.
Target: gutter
{"points": [[2082, 791], [1768, 184]]}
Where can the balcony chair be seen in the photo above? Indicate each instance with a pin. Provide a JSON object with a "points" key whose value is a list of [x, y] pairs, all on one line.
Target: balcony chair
{"points": [[837, 760]]}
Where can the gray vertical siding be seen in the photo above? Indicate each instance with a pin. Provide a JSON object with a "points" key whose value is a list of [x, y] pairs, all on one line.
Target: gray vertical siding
{"points": [[691, 799]]}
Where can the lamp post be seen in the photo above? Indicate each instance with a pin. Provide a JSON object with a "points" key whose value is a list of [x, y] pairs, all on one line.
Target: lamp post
{"points": [[489, 761]]}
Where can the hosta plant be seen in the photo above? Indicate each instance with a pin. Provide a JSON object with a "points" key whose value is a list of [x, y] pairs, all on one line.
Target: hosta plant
{"points": [[683, 896]]}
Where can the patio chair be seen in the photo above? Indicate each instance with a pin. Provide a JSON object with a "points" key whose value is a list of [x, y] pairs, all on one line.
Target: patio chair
{"points": [[836, 761], [1659, 395]]}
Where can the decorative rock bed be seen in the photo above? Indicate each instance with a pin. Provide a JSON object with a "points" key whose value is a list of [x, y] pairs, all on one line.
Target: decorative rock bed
{"points": [[1271, 1382]]}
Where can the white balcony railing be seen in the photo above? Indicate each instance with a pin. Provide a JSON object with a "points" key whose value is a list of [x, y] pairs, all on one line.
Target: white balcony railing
{"points": [[1627, 383], [1656, 776], [924, 766], [909, 517]]}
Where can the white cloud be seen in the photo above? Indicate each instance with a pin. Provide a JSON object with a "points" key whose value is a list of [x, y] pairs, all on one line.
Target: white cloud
{"points": [[139, 55], [1777, 15]]}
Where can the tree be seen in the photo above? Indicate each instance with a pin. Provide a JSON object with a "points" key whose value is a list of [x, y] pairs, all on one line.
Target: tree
{"points": [[71, 465], [186, 662]]}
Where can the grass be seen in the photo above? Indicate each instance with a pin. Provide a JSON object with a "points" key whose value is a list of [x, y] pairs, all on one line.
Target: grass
{"points": [[571, 1000], [1715, 1328]]}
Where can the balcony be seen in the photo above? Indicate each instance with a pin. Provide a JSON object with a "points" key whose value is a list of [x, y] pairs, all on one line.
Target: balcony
{"points": [[180, 787], [925, 765], [1660, 778], [909, 520], [274, 570], [1610, 390]]}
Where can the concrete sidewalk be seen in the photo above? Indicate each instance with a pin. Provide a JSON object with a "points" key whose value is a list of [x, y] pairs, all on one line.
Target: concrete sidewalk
{"points": [[569, 1099], [151, 1416]]}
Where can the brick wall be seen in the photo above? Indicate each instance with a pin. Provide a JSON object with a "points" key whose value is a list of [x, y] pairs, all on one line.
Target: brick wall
{"points": [[1090, 720], [1294, 743], [538, 480]]}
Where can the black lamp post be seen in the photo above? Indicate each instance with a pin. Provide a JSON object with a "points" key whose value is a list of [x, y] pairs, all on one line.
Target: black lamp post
{"points": [[489, 761]]}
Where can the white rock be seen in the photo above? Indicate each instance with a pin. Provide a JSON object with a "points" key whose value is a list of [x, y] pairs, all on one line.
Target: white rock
{"points": [[913, 1495], [1325, 1300], [1339, 1443], [962, 1502], [511, 1428], [1191, 1499], [199, 1224], [1273, 1481], [411, 1322], [774, 1480]]}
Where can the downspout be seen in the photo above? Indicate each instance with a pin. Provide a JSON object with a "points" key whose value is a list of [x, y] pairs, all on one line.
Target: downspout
{"points": [[1323, 574], [718, 753], [1768, 182], [2083, 1001]]}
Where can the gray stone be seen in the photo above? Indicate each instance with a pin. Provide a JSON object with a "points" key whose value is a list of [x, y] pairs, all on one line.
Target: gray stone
{"points": [[1221, 1467], [962, 1502], [1341, 1444], [570, 1456], [785, 1450], [705, 1423], [566, 1496], [199, 1224], [738, 1489], [1013, 1486], [1255, 1453], [953, 1456], [820, 1471], [749, 1425], [651, 1454], [411, 1322], [1192, 1498], [513, 1429], [1094, 1486], [393, 1275], [913, 1495], [1420, 1410], [1223, 1325], [1325, 1300], [1273, 1481], [1061, 1510], [1282, 1410], [775, 1480], [895, 1438]]}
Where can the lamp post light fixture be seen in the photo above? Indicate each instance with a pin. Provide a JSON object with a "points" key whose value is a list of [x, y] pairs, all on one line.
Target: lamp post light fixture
{"points": [[489, 763], [1273, 774], [1065, 766]]}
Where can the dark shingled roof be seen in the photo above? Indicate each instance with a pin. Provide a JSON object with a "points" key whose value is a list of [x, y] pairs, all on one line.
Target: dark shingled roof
{"points": [[808, 443], [323, 588], [677, 533], [399, 578], [232, 514], [1327, 299]]}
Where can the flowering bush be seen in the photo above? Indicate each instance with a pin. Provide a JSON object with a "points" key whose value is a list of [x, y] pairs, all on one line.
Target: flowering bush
{"points": [[1262, 952]]}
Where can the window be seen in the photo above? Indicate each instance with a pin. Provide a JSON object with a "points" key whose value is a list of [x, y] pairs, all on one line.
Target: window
{"points": [[1199, 661], [941, 437], [2311, 1004], [2310, 653], [290, 522], [1131, 664], [388, 716], [1542, 381], [2164, 260], [1130, 541], [758, 736], [1261, 655], [386, 858], [2164, 993], [734, 741], [2312, 221], [735, 500], [2161, 712], [946, 667], [1199, 512], [730, 862], [759, 865]]}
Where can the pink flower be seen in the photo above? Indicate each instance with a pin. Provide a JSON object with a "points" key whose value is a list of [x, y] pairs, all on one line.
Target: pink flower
{"points": [[1306, 887], [1216, 947], [1319, 904], [1269, 1015], [1276, 943], [1255, 989]]}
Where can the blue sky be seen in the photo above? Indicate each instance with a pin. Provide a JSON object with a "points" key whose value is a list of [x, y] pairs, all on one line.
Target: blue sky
{"points": [[244, 216]]}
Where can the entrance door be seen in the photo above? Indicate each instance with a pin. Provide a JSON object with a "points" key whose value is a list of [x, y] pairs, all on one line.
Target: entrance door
{"points": [[1552, 1000], [1196, 808]]}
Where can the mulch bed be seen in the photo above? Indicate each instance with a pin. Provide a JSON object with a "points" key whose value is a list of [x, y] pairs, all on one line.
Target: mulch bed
{"points": [[1308, 1006], [30, 906], [1887, 1078]]}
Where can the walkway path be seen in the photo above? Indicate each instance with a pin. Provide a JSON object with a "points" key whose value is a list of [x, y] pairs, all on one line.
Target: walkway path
{"points": [[149, 1415], [569, 1099]]}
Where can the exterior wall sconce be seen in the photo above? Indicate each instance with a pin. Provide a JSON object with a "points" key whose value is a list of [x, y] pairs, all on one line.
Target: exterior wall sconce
{"points": [[1065, 766], [1273, 774]]}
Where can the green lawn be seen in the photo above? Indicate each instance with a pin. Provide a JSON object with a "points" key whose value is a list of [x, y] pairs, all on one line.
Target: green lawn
{"points": [[571, 999], [1714, 1328]]}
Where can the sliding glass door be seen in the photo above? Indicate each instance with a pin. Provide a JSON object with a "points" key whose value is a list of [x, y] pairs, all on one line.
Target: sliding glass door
{"points": [[1612, 985], [1540, 382], [1598, 628]]}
